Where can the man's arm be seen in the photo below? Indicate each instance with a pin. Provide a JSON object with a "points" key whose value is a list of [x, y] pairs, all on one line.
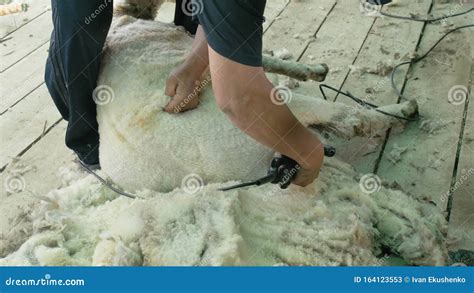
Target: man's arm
{"points": [[243, 93], [182, 81], [231, 37]]}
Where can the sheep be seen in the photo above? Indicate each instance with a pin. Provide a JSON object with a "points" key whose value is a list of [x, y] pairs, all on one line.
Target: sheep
{"points": [[203, 142], [144, 9], [176, 165]]}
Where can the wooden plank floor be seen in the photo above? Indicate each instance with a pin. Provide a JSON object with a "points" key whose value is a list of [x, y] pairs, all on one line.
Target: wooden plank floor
{"points": [[12, 22], [436, 138], [329, 31]]}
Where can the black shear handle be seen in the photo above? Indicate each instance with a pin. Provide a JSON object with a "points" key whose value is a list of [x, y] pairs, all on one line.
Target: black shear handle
{"points": [[285, 169], [329, 151]]}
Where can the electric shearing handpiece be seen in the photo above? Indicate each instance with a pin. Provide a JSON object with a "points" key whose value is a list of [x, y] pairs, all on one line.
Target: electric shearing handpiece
{"points": [[282, 171]]}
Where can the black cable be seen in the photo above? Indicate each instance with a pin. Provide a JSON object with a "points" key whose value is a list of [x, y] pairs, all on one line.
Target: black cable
{"points": [[425, 20], [258, 182], [392, 76], [364, 103]]}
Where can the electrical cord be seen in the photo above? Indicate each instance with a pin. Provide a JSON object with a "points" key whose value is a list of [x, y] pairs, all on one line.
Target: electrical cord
{"points": [[394, 71], [363, 103], [418, 59], [430, 20]]}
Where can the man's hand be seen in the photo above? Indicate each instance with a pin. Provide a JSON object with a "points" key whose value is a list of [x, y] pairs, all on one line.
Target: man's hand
{"points": [[184, 83], [306, 175], [184, 87]]}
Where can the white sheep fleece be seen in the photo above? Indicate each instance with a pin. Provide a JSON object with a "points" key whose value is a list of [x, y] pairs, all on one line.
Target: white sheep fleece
{"points": [[144, 147], [330, 222]]}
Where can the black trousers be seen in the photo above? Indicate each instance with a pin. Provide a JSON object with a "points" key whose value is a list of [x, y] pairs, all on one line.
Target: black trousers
{"points": [[72, 67]]}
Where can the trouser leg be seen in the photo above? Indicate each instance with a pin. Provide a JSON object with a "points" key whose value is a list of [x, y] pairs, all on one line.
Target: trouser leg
{"points": [[72, 68]]}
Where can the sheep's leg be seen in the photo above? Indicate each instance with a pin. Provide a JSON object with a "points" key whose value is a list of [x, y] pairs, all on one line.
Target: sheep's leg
{"points": [[349, 121], [144, 9], [295, 70]]}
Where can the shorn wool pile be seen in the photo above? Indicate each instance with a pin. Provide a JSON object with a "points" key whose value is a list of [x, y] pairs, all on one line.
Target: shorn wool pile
{"points": [[176, 163]]}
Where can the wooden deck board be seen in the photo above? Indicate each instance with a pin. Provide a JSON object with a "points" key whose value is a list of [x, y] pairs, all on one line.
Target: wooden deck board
{"points": [[289, 32], [12, 22], [44, 161], [25, 123], [273, 9], [431, 156], [25, 40], [22, 78], [336, 45], [461, 224], [388, 41], [45, 158]]}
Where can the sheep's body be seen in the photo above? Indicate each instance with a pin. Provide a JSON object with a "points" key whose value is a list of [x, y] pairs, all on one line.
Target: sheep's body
{"points": [[330, 222], [145, 9], [144, 147]]}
